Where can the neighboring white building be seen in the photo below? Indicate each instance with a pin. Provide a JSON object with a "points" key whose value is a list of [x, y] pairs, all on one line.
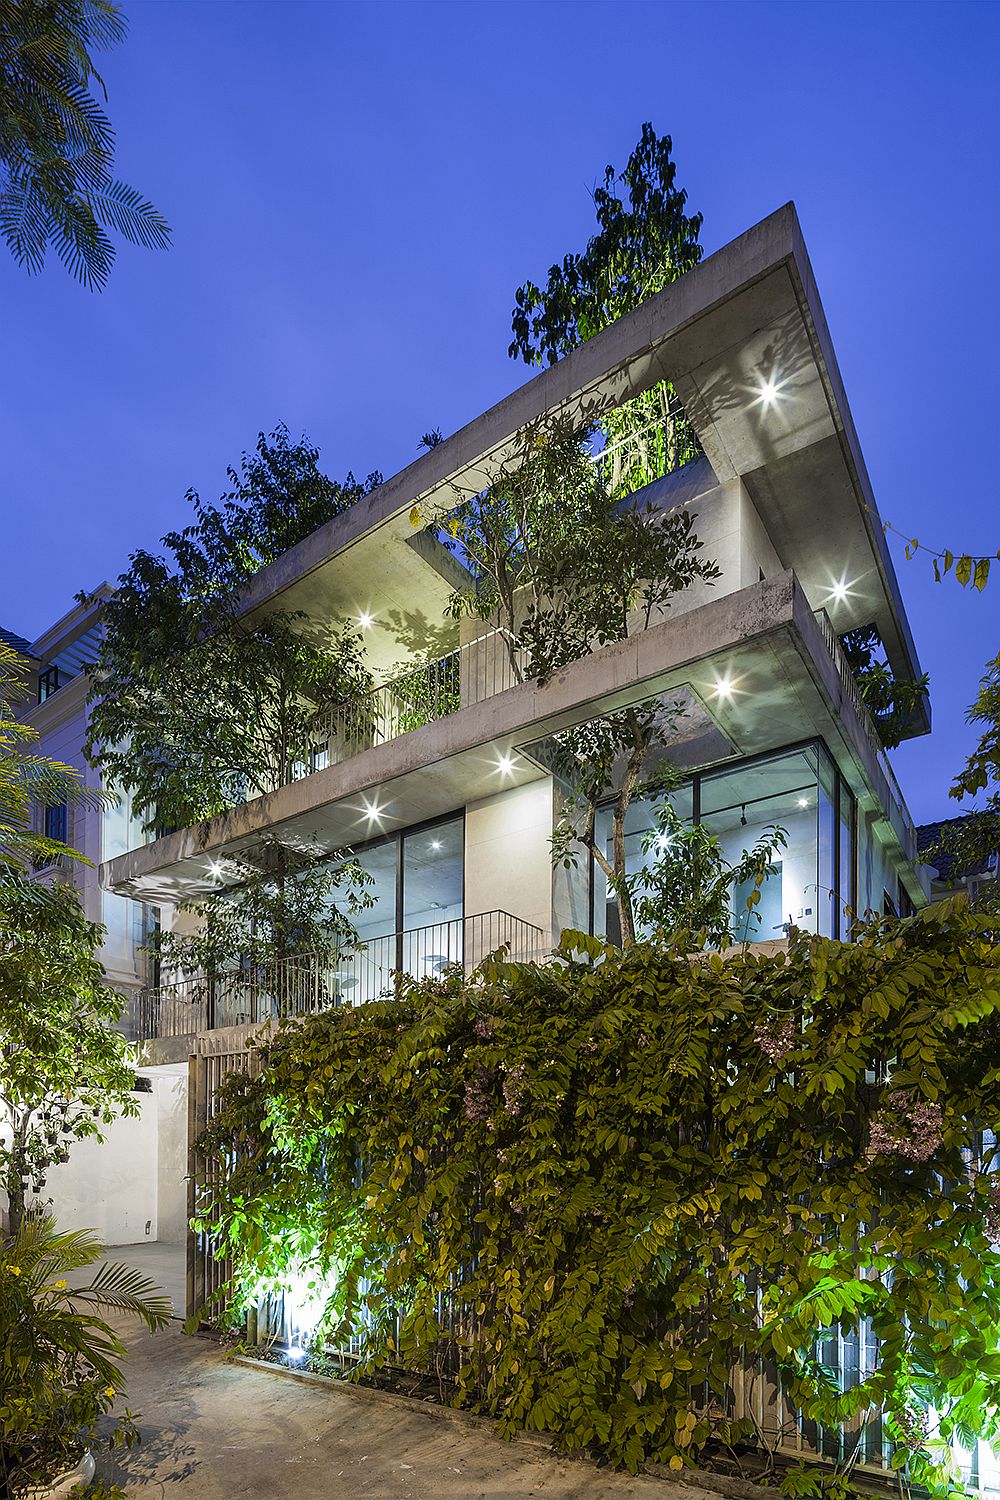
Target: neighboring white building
{"points": [[115, 1187]]}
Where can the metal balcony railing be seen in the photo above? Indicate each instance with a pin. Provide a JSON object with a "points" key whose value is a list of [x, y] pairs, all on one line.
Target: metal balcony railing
{"points": [[421, 695], [313, 982]]}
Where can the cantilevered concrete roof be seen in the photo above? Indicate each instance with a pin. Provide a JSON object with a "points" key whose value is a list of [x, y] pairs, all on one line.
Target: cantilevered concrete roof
{"points": [[746, 320]]}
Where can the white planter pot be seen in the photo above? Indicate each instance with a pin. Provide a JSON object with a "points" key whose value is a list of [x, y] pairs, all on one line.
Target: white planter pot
{"points": [[81, 1474]]}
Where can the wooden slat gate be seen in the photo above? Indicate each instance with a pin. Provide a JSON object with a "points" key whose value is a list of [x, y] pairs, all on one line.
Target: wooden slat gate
{"points": [[207, 1272]]}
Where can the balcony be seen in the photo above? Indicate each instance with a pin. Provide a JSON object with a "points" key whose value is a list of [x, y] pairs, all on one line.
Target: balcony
{"points": [[312, 982]]}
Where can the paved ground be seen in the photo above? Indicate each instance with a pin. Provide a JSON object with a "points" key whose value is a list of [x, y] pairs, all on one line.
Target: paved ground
{"points": [[219, 1430], [164, 1264]]}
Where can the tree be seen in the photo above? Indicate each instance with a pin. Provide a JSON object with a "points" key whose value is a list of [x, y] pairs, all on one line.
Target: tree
{"points": [[641, 245], [688, 885], [28, 780], [60, 1374], [564, 567], [645, 240], [57, 145], [65, 1072], [889, 699], [276, 904], [194, 706]]}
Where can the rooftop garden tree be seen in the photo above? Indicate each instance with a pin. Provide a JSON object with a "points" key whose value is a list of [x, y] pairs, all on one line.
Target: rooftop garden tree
{"points": [[65, 1072], [581, 1193], [57, 145], [564, 567], [194, 706], [644, 241]]}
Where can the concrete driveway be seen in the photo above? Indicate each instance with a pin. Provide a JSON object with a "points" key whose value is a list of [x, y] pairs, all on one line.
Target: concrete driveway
{"points": [[212, 1429]]}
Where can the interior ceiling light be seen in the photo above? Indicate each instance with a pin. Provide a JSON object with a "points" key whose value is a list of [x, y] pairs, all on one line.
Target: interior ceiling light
{"points": [[365, 620]]}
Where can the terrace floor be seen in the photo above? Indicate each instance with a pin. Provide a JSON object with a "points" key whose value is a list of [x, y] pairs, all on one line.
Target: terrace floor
{"points": [[219, 1430]]}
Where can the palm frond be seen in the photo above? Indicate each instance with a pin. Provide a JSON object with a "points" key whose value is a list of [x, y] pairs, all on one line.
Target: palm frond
{"points": [[123, 1288], [134, 217]]}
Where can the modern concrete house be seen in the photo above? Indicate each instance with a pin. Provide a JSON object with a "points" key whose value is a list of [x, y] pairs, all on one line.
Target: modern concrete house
{"points": [[451, 810], [115, 1187]]}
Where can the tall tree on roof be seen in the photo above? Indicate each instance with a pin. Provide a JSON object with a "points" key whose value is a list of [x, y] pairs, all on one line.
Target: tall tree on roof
{"points": [[57, 145], [194, 705], [645, 240]]}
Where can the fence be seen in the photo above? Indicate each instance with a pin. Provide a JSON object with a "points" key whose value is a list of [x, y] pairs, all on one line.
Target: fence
{"points": [[320, 981]]}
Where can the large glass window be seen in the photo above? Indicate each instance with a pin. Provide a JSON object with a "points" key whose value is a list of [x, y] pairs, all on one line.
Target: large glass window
{"points": [[738, 805], [638, 822], [811, 879], [414, 922], [433, 879]]}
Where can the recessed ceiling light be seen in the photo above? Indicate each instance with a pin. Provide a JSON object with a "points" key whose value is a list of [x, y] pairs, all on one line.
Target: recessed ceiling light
{"points": [[803, 801], [505, 765], [373, 812], [435, 844], [840, 590], [724, 688], [365, 620]]}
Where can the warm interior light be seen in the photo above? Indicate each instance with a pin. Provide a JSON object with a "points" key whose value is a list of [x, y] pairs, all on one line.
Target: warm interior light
{"points": [[365, 620]]}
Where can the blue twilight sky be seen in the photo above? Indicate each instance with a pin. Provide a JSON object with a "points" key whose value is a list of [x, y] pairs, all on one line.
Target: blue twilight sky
{"points": [[356, 190]]}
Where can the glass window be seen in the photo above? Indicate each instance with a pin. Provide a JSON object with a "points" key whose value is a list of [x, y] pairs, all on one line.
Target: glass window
{"points": [[738, 805], [827, 899], [55, 822], [845, 886], [367, 973], [638, 821], [433, 881]]}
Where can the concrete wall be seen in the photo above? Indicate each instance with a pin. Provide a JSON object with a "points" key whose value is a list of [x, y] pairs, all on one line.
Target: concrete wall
{"points": [[733, 536], [131, 1186], [171, 1085], [508, 864], [110, 1186]]}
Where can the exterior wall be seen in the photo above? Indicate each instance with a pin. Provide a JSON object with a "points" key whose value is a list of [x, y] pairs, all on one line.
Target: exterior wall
{"points": [[733, 536], [131, 1187], [111, 1186], [507, 858], [876, 872]]}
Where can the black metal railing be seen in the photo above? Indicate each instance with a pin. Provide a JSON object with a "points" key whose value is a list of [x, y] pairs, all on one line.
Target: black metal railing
{"points": [[310, 982]]}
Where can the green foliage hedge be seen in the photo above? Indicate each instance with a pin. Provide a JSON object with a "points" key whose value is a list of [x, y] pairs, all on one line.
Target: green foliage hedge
{"points": [[619, 1171]]}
